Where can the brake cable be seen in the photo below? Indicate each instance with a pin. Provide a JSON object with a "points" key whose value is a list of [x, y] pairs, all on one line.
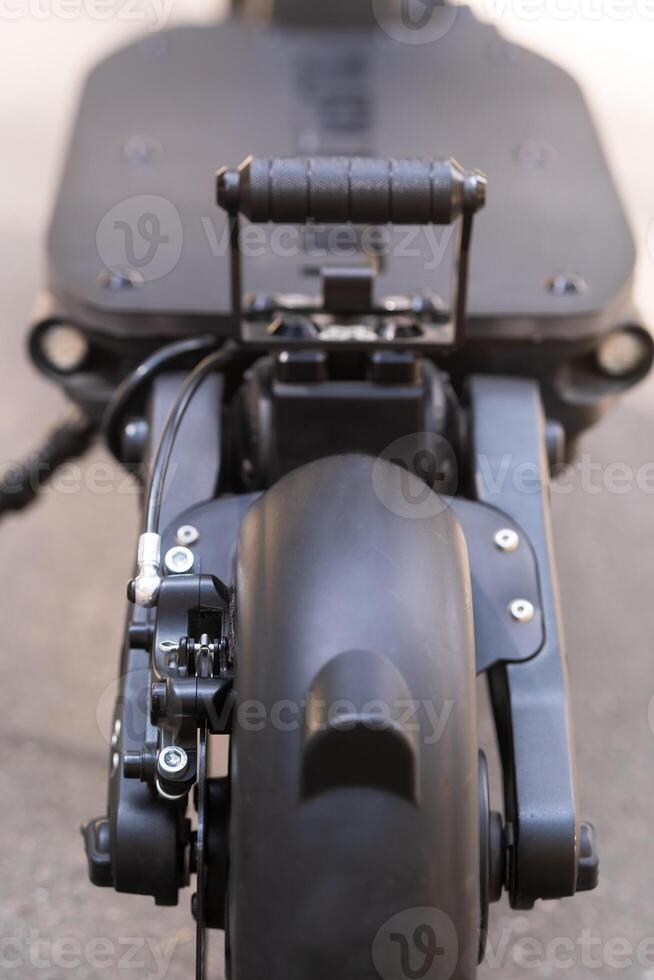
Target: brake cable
{"points": [[144, 588], [162, 359]]}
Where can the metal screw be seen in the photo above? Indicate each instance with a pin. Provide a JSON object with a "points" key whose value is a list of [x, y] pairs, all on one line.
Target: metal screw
{"points": [[139, 150], [475, 190], [179, 560], [522, 611], [187, 535], [564, 284], [294, 301], [172, 760], [116, 281], [534, 154], [417, 303], [506, 539]]}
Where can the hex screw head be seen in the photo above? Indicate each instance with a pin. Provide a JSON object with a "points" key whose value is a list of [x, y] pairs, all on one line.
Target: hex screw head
{"points": [[172, 761], [506, 539], [179, 560], [522, 611]]}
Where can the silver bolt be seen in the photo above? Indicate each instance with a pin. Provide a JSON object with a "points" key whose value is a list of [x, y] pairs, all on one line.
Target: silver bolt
{"points": [[295, 301], [566, 284], [118, 280], [179, 560], [139, 150], [115, 761], [475, 190], [397, 304], [534, 154], [506, 539], [187, 535], [522, 611], [172, 760]]}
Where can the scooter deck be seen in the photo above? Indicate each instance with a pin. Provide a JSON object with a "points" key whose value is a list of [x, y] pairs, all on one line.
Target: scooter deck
{"points": [[160, 116]]}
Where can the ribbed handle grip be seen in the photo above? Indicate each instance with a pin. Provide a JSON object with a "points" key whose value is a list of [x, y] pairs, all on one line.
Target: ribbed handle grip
{"points": [[335, 190]]}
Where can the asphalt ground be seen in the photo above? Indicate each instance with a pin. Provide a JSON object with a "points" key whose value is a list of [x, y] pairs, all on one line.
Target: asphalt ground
{"points": [[64, 565]]}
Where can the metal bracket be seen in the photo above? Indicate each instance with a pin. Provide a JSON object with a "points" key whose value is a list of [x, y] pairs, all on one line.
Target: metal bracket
{"points": [[501, 578], [530, 699]]}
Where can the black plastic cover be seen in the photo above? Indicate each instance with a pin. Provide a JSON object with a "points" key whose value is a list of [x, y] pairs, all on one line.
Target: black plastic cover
{"points": [[341, 598]]}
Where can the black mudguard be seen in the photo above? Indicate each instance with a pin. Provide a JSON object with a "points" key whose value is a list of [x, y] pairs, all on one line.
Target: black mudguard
{"points": [[355, 813]]}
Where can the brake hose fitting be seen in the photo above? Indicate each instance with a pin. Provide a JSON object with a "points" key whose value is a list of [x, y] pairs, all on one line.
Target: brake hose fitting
{"points": [[144, 589]]}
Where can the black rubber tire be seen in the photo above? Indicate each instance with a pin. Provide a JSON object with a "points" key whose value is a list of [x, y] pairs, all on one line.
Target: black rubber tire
{"points": [[353, 847]]}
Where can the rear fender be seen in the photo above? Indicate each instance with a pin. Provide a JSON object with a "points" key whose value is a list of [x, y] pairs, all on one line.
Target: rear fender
{"points": [[355, 768]]}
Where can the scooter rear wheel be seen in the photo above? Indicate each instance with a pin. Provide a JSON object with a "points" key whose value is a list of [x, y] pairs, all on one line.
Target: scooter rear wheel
{"points": [[354, 828]]}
